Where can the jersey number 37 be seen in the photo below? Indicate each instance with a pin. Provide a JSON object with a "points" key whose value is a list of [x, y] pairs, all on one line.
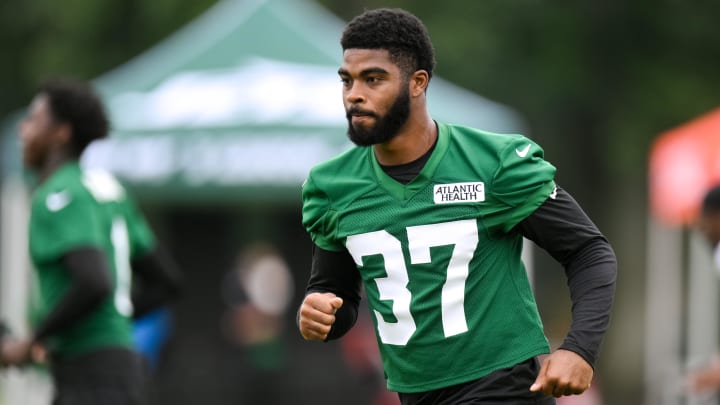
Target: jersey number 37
{"points": [[462, 234]]}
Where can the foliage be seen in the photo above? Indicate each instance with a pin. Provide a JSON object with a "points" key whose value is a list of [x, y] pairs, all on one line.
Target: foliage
{"points": [[80, 38], [606, 77]]}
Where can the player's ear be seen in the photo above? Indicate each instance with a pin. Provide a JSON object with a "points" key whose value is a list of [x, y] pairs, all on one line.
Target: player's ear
{"points": [[418, 82]]}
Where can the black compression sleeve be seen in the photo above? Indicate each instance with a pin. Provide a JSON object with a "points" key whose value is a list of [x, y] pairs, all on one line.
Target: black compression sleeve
{"points": [[337, 273], [561, 227], [158, 281], [89, 284]]}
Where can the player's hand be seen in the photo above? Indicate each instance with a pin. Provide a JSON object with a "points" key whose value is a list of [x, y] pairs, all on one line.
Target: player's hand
{"points": [[563, 373], [15, 352], [317, 315]]}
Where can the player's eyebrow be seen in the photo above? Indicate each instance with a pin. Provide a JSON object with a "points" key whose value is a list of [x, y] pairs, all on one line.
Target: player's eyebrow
{"points": [[364, 72]]}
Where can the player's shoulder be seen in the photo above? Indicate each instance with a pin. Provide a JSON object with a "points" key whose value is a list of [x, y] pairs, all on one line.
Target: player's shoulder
{"points": [[61, 189], [103, 186], [489, 149], [352, 162], [77, 186], [488, 140]]}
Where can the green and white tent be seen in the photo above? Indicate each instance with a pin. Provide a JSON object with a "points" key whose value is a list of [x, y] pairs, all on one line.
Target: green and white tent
{"points": [[240, 103]]}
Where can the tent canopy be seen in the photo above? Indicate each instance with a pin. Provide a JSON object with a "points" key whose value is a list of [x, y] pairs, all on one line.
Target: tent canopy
{"points": [[241, 102], [684, 165]]}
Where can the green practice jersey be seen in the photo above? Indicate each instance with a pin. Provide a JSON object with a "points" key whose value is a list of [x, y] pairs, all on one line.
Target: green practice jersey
{"points": [[73, 209], [440, 262]]}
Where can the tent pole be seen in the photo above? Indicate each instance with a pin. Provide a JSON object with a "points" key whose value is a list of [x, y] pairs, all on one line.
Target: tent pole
{"points": [[702, 325], [17, 386], [663, 374], [14, 264]]}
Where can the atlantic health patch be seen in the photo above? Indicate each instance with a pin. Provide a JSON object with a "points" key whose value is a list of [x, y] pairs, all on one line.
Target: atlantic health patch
{"points": [[459, 192]]}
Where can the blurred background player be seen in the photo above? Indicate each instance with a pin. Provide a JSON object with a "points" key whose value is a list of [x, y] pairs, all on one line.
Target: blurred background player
{"points": [[707, 379], [87, 241], [709, 222], [257, 293]]}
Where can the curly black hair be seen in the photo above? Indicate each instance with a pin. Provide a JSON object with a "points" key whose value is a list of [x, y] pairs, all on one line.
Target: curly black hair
{"points": [[396, 30], [75, 102]]}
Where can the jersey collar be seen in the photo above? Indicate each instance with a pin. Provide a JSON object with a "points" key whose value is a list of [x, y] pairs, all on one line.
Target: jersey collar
{"points": [[407, 191]]}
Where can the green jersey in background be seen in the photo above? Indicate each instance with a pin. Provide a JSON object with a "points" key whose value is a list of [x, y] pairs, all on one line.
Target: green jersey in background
{"points": [[75, 208]]}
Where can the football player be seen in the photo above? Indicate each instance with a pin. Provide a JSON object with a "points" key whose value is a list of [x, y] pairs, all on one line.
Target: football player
{"points": [[430, 217], [87, 241]]}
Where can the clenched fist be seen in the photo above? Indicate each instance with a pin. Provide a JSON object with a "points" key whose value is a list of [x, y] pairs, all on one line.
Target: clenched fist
{"points": [[317, 315], [563, 373]]}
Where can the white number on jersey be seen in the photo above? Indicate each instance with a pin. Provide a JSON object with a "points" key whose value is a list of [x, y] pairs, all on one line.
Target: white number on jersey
{"points": [[105, 188], [462, 234], [123, 273]]}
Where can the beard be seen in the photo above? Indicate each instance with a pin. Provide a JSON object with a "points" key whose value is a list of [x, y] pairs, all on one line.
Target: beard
{"points": [[386, 127]]}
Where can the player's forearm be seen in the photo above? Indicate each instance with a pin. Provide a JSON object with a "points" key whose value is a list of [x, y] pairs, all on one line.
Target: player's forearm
{"points": [[90, 284], [562, 228], [337, 273], [77, 303], [159, 282], [591, 278], [148, 301], [345, 319]]}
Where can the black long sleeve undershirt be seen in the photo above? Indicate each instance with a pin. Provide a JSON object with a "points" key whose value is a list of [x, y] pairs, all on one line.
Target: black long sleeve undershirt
{"points": [[91, 284], [563, 229], [157, 281], [336, 272], [559, 226]]}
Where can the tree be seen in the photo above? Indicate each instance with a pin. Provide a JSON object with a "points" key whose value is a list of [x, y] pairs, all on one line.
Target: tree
{"points": [[80, 38]]}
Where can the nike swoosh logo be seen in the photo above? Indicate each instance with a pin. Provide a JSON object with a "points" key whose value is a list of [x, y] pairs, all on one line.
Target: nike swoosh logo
{"points": [[57, 201], [523, 152], [553, 195]]}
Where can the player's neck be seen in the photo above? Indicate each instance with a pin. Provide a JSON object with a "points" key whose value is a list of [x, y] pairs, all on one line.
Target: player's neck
{"points": [[53, 163], [415, 138]]}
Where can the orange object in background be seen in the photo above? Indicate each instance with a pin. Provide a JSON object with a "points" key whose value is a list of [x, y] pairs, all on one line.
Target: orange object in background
{"points": [[684, 164]]}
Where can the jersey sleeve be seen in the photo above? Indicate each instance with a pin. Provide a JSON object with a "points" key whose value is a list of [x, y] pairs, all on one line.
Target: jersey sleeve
{"points": [[521, 183], [63, 221], [318, 216]]}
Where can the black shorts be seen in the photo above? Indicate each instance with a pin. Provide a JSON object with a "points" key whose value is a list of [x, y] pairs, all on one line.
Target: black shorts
{"points": [[503, 387], [115, 376]]}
